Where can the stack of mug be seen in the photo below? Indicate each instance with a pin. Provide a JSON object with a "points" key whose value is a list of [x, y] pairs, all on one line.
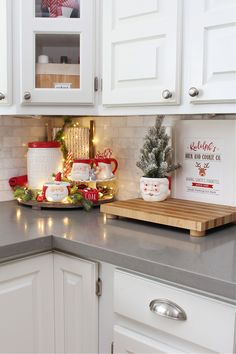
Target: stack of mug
{"points": [[93, 169]]}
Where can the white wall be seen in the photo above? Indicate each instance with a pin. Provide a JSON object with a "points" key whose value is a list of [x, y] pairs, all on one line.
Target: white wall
{"points": [[15, 133]]}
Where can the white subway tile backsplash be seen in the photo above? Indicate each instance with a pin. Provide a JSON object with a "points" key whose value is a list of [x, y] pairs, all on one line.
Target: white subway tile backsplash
{"points": [[15, 133], [135, 121], [125, 136], [6, 195], [11, 141]]}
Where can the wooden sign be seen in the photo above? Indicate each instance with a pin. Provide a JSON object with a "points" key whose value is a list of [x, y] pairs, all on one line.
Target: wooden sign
{"points": [[206, 150]]}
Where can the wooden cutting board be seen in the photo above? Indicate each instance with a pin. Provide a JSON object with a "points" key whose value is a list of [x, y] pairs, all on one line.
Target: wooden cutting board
{"points": [[195, 216]]}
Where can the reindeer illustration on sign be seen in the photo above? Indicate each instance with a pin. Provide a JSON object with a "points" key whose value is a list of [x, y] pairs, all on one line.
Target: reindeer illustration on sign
{"points": [[202, 169]]}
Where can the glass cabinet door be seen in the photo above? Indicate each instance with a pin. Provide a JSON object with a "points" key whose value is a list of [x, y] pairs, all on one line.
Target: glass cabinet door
{"points": [[57, 51], [57, 61], [5, 52]]}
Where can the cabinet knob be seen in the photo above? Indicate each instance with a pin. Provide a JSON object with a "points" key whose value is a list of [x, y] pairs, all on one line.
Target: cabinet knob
{"points": [[2, 96], [166, 94], [167, 308], [27, 96], [193, 92]]}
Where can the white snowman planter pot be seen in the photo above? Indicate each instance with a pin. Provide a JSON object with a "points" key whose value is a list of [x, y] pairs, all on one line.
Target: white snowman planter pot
{"points": [[154, 189]]}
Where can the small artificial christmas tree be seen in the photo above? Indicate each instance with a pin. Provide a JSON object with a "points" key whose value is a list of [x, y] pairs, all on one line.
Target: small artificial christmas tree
{"points": [[156, 155]]}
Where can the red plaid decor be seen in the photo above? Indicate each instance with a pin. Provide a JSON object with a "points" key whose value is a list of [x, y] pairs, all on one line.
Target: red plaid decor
{"points": [[56, 5]]}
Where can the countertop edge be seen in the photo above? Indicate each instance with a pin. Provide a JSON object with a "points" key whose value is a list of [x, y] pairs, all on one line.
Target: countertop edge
{"points": [[215, 288]]}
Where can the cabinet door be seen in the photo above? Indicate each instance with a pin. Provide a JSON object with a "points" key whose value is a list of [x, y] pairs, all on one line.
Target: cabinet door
{"points": [[212, 39], [26, 306], [127, 341], [5, 52], [141, 51], [57, 52], [76, 305]]}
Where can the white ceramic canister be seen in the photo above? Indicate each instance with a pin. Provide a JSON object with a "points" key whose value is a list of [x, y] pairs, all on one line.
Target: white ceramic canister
{"points": [[43, 159]]}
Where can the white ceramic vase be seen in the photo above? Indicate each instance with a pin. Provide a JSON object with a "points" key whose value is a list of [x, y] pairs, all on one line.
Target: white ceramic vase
{"points": [[154, 189]]}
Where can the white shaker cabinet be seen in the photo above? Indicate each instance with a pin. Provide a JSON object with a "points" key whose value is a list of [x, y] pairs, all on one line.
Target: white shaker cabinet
{"points": [[127, 341], [141, 52], [48, 304], [5, 52], [212, 43], [57, 53], [76, 305], [152, 317], [26, 306], [180, 55]]}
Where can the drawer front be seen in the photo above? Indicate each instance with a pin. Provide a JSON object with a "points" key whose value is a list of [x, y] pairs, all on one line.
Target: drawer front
{"points": [[209, 323]]}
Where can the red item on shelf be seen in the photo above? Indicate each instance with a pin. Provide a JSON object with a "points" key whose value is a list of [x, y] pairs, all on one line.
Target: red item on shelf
{"points": [[90, 194], [58, 177], [56, 5], [40, 198], [18, 181]]}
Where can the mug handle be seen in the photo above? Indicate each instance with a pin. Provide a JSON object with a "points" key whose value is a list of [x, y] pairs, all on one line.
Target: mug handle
{"points": [[116, 165]]}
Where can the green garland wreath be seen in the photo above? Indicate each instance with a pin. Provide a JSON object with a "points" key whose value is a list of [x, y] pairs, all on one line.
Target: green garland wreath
{"points": [[60, 136]]}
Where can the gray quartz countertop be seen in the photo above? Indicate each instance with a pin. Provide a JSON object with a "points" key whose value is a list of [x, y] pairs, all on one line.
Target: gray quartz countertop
{"points": [[206, 264]]}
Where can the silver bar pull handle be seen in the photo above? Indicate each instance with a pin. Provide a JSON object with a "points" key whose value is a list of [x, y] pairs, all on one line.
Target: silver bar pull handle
{"points": [[168, 309]]}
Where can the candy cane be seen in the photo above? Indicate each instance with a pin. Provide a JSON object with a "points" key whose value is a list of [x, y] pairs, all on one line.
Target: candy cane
{"points": [[107, 153], [67, 164]]}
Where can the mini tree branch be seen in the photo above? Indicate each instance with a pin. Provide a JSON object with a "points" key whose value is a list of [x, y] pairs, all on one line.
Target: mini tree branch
{"points": [[156, 155]]}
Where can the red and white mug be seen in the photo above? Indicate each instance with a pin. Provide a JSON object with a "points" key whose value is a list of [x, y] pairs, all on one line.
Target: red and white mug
{"points": [[56, 191], [104, 168], [81, 169]]}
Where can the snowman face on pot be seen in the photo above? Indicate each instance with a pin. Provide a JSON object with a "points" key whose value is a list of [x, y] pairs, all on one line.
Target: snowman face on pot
{"points": [[154, 189]]}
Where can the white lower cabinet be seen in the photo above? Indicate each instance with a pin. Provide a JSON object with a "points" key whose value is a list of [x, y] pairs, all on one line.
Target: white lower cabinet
{"points": [[48, 304], [127, 341], [151, 317], [76, 305], [26, 306]]}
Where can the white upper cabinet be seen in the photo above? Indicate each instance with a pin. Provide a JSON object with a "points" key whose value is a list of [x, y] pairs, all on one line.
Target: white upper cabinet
{"points": [[141, 52], [153, 56], [5, 52], [57, 52], [212, 29]]}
